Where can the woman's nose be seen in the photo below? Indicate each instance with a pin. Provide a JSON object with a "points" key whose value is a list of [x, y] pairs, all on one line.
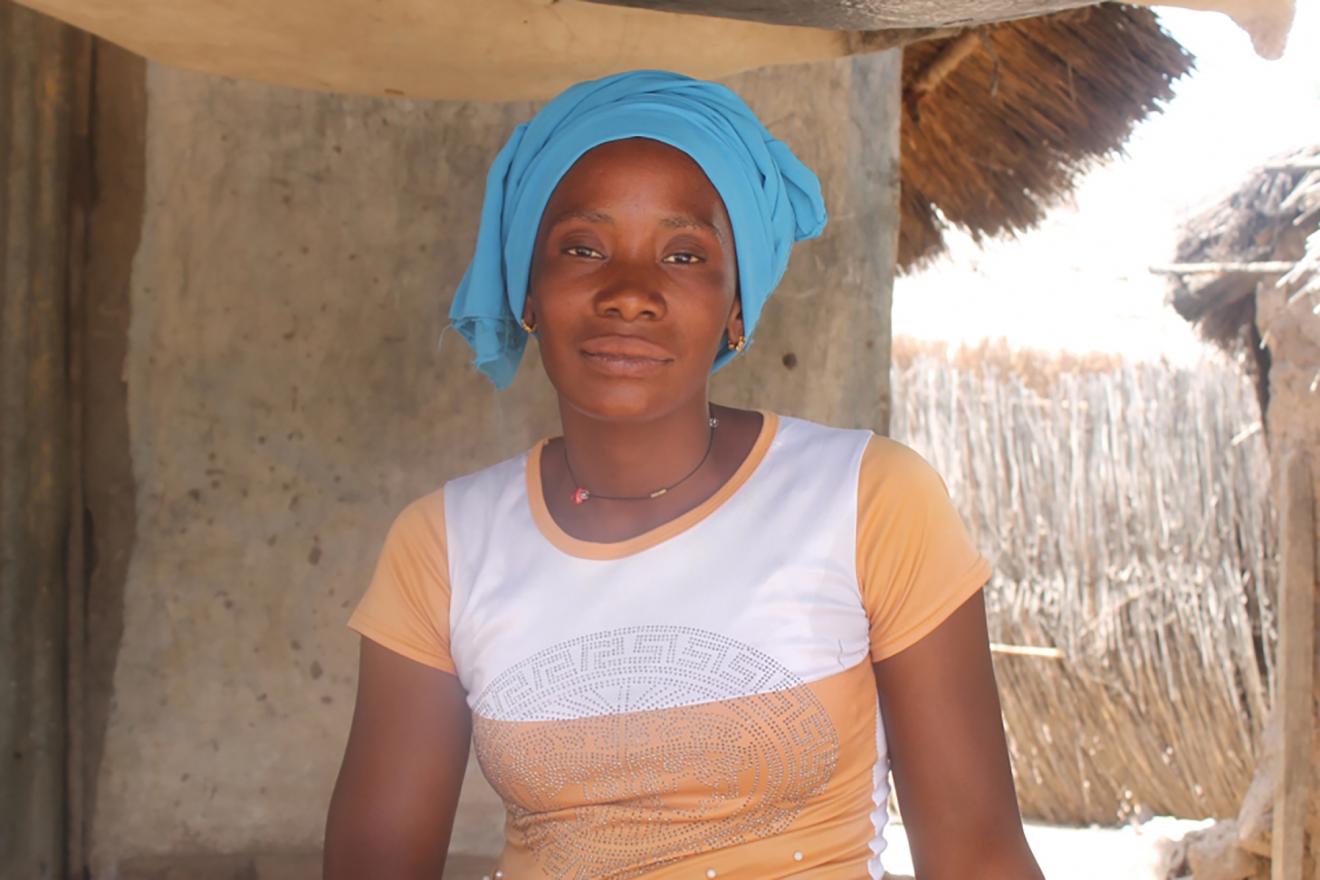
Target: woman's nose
{"points": [[631, 293]]}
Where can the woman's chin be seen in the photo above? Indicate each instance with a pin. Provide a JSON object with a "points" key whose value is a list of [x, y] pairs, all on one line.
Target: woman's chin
{"points": [[622, 399]]}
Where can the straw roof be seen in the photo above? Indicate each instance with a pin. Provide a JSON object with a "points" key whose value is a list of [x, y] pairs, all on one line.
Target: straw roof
{"points": [[1304, 278], [1031, 106], [1267, 21], [1266, 232]]}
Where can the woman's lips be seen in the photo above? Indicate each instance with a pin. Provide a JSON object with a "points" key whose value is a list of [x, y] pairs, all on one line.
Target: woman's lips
{"points": [[625, 355]]}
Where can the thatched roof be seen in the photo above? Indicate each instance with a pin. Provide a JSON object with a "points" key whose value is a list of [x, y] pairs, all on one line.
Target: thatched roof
{"points": [[1304, 278], [1267, 21], [1001, 117], [1267, 232], [1034, 104]]}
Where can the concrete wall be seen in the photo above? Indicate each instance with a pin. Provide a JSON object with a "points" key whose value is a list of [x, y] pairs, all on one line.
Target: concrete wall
{"points": [[483, 50], [270, 392]]}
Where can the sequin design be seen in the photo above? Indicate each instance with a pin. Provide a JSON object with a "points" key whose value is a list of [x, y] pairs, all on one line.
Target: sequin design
{"points": [[625, 750]]}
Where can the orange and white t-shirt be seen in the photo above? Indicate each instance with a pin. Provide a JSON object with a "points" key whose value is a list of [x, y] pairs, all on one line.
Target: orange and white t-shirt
{"points": [[697, 701]]}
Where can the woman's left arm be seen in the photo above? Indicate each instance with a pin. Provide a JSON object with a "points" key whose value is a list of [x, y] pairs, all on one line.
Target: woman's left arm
{"points": [[947, 750]]}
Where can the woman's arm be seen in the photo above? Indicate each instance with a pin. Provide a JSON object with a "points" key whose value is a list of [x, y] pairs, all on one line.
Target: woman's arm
{"points": [[393, 806], [946, 744]]}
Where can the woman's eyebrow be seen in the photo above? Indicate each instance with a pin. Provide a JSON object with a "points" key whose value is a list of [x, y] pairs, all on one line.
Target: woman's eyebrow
{"points": [[673, 221], [587, 216], [687, 221]]}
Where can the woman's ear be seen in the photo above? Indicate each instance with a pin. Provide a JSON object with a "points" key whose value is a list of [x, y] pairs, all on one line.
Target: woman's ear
{"points": [[734, 326]]}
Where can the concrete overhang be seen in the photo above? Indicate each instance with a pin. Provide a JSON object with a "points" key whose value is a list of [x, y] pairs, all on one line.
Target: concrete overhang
{"points": [[519, 49]]}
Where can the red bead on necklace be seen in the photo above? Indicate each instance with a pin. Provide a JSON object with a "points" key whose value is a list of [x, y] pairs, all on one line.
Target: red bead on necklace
{"points": [[582, 496]]}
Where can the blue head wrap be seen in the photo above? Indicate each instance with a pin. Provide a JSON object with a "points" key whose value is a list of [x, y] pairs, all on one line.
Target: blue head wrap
{"points": [[772, 199]]}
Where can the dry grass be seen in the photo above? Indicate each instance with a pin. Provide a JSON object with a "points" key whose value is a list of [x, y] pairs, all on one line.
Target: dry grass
{"points": [[1036, 370], [1009, 131], [1126, 511]]}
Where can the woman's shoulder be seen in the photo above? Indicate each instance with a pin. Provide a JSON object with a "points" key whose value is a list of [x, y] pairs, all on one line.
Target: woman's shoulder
{"points": [[880, 459], [875, 451], [885, 454], [894, 476], [796, 429]]}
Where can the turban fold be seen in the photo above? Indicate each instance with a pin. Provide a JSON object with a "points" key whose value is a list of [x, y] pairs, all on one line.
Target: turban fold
{"points": [[772, 199]]}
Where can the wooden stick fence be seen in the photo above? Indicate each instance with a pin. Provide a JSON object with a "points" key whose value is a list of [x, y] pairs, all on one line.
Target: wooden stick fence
{"points": [[1127, 514]]}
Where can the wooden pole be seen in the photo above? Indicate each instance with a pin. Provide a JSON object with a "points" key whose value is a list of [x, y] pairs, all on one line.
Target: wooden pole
{"points": [[1294, 165], [1295, 698], [1270, 267], [1042, 653], [38, 100], [76, 559], [945, 63]]}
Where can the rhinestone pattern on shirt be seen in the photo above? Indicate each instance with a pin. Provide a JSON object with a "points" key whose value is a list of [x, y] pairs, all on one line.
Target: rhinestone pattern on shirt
{"points": [[624, 750]]}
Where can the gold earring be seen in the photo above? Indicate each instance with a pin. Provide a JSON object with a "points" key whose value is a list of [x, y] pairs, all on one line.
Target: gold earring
{"points": [[739, 345], [530, 328]]}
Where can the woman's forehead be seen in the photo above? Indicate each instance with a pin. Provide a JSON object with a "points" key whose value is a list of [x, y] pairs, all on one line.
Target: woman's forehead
{"points": [[637, 169]]}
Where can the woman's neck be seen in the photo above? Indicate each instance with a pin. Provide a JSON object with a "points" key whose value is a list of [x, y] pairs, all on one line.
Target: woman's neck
{"points": [[633, 460]]}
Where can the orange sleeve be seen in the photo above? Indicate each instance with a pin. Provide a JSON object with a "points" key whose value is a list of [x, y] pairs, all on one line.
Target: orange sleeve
{"points": [[915, 561], [406, 606]]}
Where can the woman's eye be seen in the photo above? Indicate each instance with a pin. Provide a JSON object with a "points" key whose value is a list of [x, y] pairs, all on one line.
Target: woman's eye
{"points": [[580, 250], [683, 259]]}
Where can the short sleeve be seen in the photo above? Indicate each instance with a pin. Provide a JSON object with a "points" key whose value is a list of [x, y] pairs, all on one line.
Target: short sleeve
{"points": [[406, 606], [915, 561]]}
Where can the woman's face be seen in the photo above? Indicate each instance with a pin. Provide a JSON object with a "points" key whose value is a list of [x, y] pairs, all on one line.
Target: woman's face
{"points": [[634, 281]]}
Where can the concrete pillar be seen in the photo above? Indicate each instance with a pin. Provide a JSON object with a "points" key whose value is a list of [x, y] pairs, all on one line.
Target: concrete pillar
{"points": [[38, 71], [823, 349], [290, 387]]}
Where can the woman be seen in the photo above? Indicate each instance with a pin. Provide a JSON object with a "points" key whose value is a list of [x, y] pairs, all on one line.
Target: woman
{"points": [[687, 640]]}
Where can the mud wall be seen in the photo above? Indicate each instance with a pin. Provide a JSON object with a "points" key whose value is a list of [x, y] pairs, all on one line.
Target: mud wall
{"points": [[1291, 330]]}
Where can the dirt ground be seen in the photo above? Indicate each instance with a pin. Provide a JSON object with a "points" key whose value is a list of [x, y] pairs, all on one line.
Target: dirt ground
{"points": [[1131, 852]]}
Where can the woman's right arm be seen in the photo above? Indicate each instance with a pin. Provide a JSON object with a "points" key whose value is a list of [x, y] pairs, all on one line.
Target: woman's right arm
{"points": [[393, 806]]}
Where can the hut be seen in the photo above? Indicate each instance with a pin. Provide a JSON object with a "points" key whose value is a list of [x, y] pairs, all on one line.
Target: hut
{"points": [[219, 375], [1238, 258], [1248, 275]]}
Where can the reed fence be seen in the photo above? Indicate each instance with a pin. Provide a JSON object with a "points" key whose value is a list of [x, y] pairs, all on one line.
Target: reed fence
{"points": [[1126, 510]]}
